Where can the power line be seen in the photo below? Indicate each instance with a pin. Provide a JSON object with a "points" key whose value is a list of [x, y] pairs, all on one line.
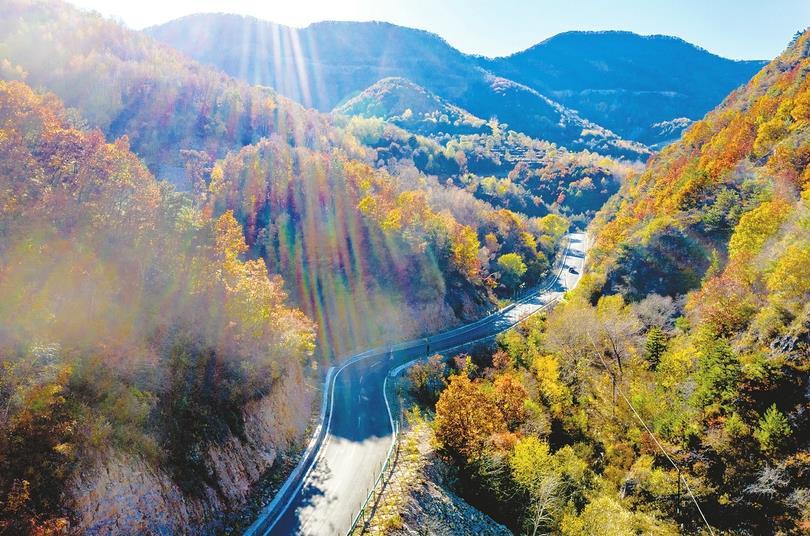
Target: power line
{"points": [[655, 439]]}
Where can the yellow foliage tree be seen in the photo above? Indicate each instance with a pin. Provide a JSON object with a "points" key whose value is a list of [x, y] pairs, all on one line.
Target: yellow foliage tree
{"points": [[466, 418]]}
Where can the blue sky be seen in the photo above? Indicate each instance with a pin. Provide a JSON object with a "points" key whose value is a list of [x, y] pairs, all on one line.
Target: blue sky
{"points": [[740, 29]]}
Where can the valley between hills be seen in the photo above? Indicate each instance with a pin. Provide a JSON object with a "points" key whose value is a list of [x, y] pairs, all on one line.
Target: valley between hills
{"points": [[348, 279]]}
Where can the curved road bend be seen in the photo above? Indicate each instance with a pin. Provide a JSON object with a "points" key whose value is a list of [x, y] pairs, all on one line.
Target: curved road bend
{"points": [[359, 430]]}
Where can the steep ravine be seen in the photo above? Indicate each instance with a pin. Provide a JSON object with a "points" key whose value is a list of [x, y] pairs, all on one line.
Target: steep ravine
{"points": [[120, 492]]}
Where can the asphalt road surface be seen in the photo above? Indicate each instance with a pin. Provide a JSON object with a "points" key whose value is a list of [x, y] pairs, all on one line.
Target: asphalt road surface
{"points": [[358, 428]]}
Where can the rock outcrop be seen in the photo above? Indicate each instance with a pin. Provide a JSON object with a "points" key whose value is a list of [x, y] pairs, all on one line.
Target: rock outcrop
{"points": [[120, 493], [417, 498], [433, 509]]}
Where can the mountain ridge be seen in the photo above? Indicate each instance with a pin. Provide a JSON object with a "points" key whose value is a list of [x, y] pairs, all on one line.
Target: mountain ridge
{"points": [[309, 66], [625, 81], [654, 36], [375, 50]]}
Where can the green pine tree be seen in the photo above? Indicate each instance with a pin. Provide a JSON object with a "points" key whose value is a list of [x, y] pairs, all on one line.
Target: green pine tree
{"points": [[655, 346], [772, 431]]}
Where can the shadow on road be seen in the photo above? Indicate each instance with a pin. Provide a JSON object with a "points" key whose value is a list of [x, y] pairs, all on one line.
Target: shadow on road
{"points": [[359, 426]]}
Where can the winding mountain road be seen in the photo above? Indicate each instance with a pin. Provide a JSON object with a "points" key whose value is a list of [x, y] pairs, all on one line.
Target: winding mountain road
{"points": [[328, 488]]}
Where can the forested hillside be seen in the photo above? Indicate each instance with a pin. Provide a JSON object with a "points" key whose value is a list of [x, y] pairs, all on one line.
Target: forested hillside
{"points": [[134, 334], [178, 115], [725, 214], [569, 89], [183, 254], [361, 244], [669, 392], [328, 63], [713, 201], [181, 117], [406, 122], [411, 107]]}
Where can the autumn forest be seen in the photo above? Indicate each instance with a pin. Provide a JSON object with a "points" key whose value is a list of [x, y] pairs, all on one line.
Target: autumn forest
{"points": [[193, 246]]}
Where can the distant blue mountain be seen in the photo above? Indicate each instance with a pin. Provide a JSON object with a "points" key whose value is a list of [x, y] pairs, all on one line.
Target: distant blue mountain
{"points": [[627, 82], [536, 91]]}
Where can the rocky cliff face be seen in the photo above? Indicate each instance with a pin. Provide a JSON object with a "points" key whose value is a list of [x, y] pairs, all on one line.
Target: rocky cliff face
{"points": [[120, 493], [417, 499], [432, 508]]}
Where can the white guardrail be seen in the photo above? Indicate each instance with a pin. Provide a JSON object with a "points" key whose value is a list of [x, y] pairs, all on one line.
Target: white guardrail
{"points": [[560, 261], [284, 496], [270, 514], [395, 426]]}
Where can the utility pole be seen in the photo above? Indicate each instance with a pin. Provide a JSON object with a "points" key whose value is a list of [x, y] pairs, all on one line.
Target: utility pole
{"points": [[678, 503]]}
